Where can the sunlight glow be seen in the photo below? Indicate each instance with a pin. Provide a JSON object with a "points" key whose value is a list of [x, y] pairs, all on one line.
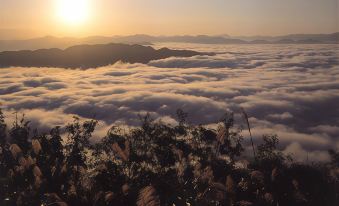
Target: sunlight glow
{"points": [[72, 11]]}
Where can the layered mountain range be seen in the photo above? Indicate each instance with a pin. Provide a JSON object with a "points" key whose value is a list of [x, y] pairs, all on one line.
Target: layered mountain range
{"points": [[62, 43]]}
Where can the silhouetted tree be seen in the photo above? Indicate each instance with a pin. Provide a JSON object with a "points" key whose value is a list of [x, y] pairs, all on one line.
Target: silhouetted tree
{"points": [[268, 156], [229, 140], [56, 146], [334, 157], [19, 133], [3, 128], [78, 140]]}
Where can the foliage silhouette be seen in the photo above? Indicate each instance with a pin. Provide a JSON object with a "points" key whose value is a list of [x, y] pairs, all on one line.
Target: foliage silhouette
{"points": [[155, 164]]}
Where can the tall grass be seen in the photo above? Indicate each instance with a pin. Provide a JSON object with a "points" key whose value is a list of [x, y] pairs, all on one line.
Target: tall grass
{"points": [[155, 164]]}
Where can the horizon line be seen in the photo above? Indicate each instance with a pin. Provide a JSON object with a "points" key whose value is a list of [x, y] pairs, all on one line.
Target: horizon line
{"points": [[160, 35]]}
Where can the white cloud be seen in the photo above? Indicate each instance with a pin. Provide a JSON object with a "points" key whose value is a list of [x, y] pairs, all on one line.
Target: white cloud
{"points": [[282, 116], [290, 90], [300, 155]]}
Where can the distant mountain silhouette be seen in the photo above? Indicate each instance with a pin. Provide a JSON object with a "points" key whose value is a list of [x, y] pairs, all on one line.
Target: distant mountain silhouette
{"points": [[88, 56], [258, 41], [48, 42], [286, 41], [296, 38], [62, 43]]}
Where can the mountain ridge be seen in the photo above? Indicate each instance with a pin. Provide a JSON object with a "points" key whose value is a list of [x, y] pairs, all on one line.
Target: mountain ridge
{"points": [[89, 56], [64, 42]]}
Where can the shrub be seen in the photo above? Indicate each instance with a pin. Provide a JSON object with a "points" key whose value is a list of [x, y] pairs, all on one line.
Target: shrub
{"points": [[154, 164]]}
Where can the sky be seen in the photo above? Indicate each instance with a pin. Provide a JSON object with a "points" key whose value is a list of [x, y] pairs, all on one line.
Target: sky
{"points": [[26, 18]]}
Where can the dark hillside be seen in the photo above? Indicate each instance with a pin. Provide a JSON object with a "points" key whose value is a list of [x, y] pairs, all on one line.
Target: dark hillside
{"points": [[88, 56]]}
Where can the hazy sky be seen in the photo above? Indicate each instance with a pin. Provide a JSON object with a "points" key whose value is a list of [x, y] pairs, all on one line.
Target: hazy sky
{"points": [[167, 17]]}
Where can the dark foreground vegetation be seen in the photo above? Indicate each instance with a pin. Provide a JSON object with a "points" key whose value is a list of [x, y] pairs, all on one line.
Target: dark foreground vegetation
{"points": [[155, 164]]}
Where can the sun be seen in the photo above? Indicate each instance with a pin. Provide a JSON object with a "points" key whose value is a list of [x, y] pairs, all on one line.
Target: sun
{"points": [[72, 11]]}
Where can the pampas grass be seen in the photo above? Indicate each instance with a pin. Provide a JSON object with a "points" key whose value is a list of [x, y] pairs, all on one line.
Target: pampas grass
{"points": [[269, 198], [221, 135], [19, 169], [274, 174], [249, 129], [243, 185], [22, 162], [244, 203], [10, 174], [36, 146], [63, 169], [15, 150], [125, 189], [148, 197], [197, 170], [179, 153], [37, 172], [257, 176], [30, 161], [183, 167], [72, 190], [218, 191], [37, 182], [120, 152], [109, 196], [54, 200], [295, 184], [207, 175]]}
